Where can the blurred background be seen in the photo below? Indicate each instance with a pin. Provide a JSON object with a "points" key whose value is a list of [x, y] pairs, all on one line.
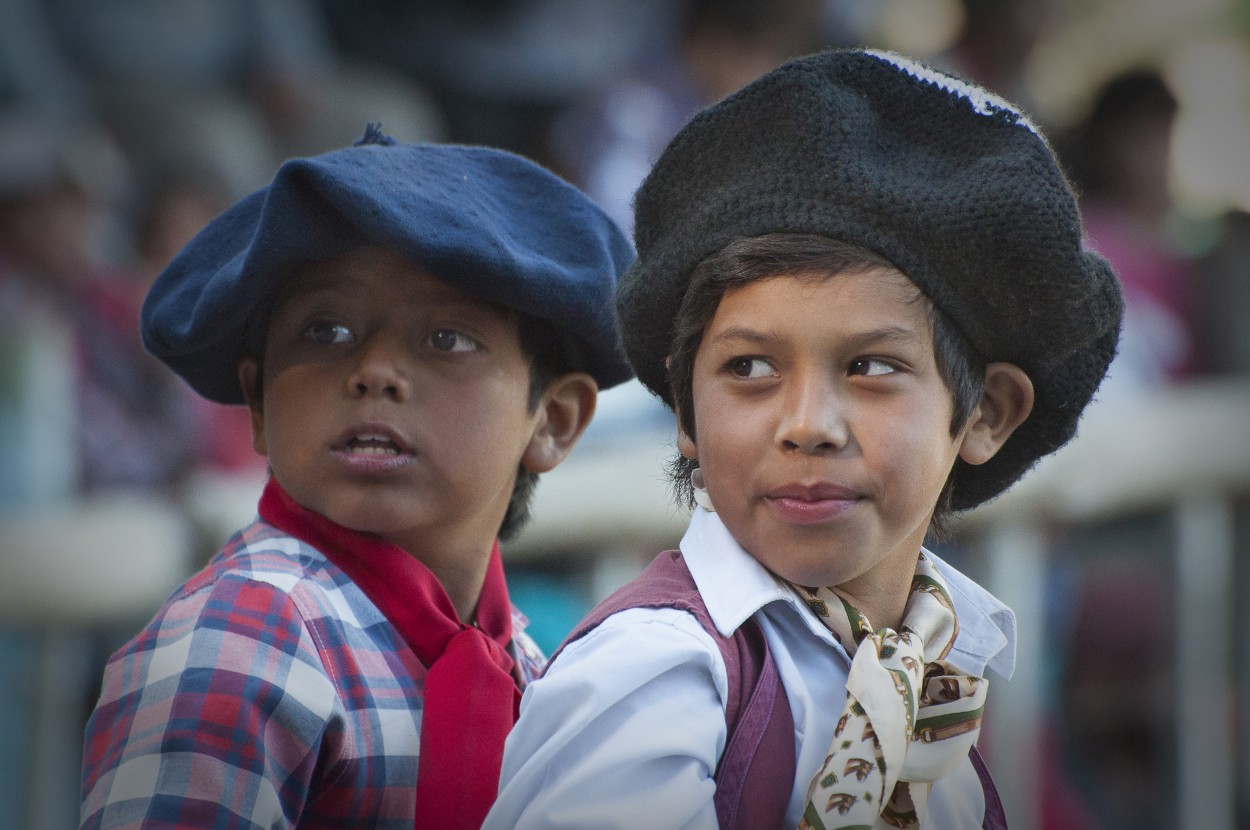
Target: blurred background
{"points": [[125, 125]]}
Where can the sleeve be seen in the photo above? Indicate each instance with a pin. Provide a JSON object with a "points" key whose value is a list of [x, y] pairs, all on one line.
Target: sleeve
{"points": [[212, 717], [625, 730]]}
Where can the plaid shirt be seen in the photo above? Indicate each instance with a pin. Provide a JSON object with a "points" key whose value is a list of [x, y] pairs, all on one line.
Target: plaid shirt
{"points": [[268, 692]]}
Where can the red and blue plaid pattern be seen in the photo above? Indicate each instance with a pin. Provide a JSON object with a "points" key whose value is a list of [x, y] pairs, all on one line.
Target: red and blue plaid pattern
{"points": [[267, 692]]}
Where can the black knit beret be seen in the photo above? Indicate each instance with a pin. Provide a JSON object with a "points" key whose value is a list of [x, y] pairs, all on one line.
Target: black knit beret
{"points": [[953, 185], [486, 221]]}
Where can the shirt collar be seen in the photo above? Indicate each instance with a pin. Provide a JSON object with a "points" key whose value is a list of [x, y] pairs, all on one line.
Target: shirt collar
{"points": [[734, 586], [732, 583], [987, 627]]}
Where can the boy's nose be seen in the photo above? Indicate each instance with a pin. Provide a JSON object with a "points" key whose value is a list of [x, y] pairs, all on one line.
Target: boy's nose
{"points": [[379, 372], [812, 419]]}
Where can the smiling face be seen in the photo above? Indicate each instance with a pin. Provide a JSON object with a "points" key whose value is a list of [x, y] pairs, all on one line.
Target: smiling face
{"points": [[395, 404], [823, 427]]}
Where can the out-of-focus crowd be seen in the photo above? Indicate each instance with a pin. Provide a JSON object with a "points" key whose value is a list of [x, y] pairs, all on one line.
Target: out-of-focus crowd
{"points": [[126, 125]]}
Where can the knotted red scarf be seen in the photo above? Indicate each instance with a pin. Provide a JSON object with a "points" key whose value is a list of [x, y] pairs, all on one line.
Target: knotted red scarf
{"points": [[471, 697]]}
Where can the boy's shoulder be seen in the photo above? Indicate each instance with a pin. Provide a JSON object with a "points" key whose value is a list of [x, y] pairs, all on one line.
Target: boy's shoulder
{"points": [[321, 593], [665, 583], [261, 554]]}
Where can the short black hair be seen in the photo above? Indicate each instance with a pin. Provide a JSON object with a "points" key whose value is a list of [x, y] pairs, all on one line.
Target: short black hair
{"points": [[750, 259], [550, 357]]}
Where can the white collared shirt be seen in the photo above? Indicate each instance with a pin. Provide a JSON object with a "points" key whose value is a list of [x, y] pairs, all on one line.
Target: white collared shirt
{"points": [[627, 727]]}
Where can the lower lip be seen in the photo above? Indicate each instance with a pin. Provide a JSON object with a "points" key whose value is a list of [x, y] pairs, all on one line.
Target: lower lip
{"points": [[360, 462], [803, 512]]}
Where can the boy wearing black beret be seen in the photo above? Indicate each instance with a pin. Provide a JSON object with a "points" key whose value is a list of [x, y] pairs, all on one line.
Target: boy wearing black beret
{"points": [[418, 331], [861, 288]]}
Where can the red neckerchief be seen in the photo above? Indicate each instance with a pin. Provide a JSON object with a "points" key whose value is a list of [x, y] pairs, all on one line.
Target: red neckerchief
{"points": [[471, 698]]}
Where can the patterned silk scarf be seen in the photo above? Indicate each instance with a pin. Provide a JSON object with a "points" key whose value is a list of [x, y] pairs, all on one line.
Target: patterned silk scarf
{"points": [[910, 717], [471, 697]]}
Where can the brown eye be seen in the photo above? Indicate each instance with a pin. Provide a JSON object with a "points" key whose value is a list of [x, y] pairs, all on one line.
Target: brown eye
{"points": [[870, 366], [327, 333], [749, 367], [450, 340]]}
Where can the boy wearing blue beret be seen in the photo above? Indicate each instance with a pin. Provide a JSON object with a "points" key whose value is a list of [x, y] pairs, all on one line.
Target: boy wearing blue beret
{"points": [[861, 287], [418, 332]]}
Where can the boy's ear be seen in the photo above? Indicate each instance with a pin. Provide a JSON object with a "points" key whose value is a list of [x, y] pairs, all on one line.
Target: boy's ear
{"points": [[685, 444], [1006, 402], [565, 411], [249, 382]]}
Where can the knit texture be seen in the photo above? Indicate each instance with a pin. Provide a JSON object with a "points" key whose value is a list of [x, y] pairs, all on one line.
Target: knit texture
{"points": [[954, 186], [488, 222]]}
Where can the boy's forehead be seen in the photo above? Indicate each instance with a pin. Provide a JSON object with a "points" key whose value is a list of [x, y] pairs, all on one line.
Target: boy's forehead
{"points": [[354, 266], [878, 297], [885, 281]]}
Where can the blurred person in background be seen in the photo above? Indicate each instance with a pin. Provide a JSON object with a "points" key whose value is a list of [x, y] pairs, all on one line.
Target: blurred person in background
{"points": [[501, 69], [608, 142], [995, 40], [126, 419], [1114, 611], [36, 76], [229, 88], [1222, 301], [1119, 156], [169, 215], [83, 411], [1116, 693]]}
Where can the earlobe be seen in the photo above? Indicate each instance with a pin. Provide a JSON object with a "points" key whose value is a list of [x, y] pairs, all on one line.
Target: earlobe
{"points": [[686, 446], [565, 412], [249, 383], [1005, 404]]}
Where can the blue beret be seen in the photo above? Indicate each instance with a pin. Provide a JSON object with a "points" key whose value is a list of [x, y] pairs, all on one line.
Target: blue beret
{"points": [[486, 221]]}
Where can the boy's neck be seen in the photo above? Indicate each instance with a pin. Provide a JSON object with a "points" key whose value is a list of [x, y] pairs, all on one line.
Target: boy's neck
{"points": [[460, 566], [462, 580], [459, 557], [882, 601], [883, 611]]}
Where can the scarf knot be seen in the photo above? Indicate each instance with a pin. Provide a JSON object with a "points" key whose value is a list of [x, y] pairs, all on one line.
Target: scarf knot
{"points": [[909, 717]]}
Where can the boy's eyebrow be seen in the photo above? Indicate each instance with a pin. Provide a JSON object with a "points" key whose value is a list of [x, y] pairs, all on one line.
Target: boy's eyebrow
{"points": [[882, 335], [886, 335]]}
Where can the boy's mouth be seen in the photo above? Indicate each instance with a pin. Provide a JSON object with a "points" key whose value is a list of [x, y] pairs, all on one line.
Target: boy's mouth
{"points": [[804, 504], [371, 440], [372, 444]]}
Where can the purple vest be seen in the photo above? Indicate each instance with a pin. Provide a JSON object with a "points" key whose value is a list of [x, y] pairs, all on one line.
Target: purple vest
{"points": [[757, 769]]}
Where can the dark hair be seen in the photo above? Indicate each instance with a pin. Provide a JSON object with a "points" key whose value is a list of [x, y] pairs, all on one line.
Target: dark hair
{"points": [[748, 260], [550, 355]]}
